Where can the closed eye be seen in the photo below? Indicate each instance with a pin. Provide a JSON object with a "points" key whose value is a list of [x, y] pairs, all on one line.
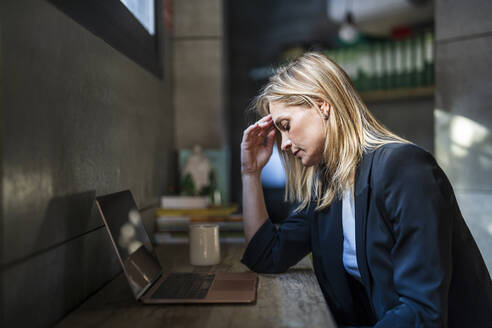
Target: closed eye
{"points": [[285, 125]]}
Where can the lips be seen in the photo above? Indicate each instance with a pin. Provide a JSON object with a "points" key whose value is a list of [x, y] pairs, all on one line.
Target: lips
{"points": [[296, 152]]}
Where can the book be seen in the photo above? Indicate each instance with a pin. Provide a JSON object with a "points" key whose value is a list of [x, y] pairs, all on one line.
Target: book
{"points": [[184, 202], [181, 237], [181, 223], [210, 211]]}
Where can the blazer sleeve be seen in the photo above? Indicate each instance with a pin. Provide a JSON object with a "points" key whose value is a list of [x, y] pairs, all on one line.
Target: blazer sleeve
{"points": [[419, 203], [273, 250]]}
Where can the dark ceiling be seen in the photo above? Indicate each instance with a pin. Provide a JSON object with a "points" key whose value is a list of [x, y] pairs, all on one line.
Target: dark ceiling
{"points": [[266, 27]]}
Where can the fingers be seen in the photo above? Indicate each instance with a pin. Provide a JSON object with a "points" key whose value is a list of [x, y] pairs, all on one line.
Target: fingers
{"points": [[265, 124], [270, 138], [250, 134], [265, 119], [259, 129]]}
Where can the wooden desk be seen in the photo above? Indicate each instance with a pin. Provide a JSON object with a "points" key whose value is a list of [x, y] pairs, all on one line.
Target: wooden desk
{"points": [[291, 299]]}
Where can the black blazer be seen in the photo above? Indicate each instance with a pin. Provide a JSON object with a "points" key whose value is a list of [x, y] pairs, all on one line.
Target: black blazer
{"points": [[419, 264]]}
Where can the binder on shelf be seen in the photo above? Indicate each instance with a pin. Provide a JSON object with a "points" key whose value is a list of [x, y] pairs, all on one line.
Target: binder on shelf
{"points": [[399, 67], [390, 65], [419, 61], [429, 59]]}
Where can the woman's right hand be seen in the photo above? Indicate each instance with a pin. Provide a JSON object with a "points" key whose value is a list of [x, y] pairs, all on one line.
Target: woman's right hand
{"points": [[255, 151]]}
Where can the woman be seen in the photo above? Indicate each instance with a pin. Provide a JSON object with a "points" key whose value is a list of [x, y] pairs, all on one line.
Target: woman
{"points": [[390, 247]]}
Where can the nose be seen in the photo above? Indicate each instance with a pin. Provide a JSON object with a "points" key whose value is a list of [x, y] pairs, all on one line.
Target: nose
{"points": [[286, 143]]}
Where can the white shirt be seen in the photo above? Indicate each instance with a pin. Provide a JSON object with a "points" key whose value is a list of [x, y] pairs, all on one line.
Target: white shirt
{"points": [[348, 224]]}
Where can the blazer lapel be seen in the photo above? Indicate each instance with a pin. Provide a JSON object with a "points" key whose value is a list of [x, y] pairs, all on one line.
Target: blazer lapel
{"points": [[362, 193]]}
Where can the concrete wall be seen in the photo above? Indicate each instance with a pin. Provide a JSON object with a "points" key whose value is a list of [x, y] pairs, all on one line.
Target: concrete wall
{"points": [[198, 73], [199, 83], [463, 115], [412, 119], [78, 119]]}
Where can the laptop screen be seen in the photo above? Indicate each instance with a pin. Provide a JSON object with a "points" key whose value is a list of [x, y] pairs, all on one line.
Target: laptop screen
{"points": [[130, 240]]}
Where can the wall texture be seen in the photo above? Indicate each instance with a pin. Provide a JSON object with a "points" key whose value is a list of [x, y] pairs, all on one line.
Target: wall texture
{"points": [[463, 116], [78, 119], [199, 74], [412, 119]]}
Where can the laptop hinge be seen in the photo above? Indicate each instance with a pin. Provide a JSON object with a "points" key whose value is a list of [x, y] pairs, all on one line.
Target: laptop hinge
{"points": [[152, 283]]}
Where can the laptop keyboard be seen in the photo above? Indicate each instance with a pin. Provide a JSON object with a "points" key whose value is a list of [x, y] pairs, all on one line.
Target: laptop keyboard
{"points": [[185, 285]]}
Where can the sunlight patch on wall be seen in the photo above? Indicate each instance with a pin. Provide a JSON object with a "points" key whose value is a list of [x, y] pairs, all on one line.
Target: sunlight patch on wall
{"points": [[466, 132], [458, 137]]}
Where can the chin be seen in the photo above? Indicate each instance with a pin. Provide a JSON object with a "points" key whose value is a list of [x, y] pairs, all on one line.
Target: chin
{"points": [[308, 161]]}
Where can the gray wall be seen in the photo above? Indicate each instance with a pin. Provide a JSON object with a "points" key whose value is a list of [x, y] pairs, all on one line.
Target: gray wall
{"points": [[463, 142], [199, 74], [412, 119], [78, 119]]}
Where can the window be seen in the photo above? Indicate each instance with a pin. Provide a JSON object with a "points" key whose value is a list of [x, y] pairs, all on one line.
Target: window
{"points": [[130, 26], [144, 12]]}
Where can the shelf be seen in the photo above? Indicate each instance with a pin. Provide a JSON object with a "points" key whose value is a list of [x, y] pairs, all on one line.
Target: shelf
{"points": [[397, 94]]}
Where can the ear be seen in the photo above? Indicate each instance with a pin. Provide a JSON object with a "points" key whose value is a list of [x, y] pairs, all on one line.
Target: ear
{"points": [[325, 109]]}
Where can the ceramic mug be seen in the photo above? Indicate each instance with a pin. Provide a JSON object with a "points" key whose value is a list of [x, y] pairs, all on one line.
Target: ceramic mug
{"points": [[204, 244]]}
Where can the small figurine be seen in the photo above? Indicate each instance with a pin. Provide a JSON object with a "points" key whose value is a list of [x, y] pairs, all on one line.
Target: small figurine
{"points": [[199, 169]]}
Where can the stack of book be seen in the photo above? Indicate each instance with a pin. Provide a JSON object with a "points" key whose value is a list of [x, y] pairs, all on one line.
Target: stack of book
{"points": [[172, 223]]}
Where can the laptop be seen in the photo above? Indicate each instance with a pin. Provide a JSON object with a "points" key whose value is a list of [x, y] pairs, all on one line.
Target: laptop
{"points": [[153, 284]]}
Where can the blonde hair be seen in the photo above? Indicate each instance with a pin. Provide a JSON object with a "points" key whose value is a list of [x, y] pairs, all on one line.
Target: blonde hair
{"points": [[351, 129]]}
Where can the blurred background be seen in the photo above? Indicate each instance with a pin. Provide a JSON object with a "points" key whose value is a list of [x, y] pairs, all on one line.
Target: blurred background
{"points": [[101, 96]]}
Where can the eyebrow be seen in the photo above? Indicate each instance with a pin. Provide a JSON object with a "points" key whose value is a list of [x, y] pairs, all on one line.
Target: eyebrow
{"points": [[280, 118]]}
